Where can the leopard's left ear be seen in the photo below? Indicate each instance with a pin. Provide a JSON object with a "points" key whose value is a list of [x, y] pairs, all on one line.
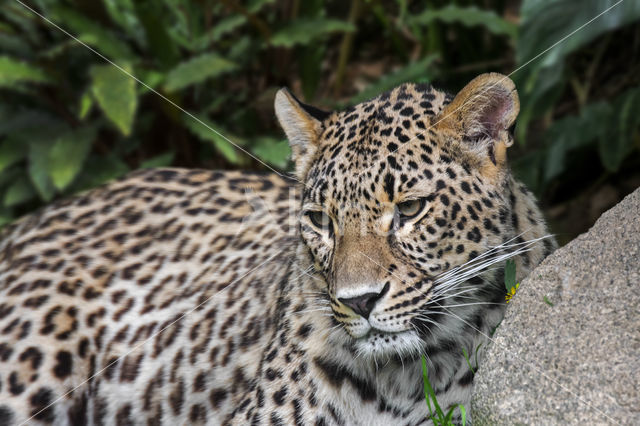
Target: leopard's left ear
{"points": [[302, 124], [483, 112]]}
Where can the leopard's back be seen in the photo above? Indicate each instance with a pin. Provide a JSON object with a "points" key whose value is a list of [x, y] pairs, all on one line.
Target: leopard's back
{"points": [[141, 294]]}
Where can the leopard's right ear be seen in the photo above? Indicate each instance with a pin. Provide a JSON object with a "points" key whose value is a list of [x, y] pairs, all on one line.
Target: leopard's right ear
{"points": [[302, 124]]}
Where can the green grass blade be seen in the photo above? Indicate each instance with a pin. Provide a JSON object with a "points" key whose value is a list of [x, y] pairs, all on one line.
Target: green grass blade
{"points": [[463, 415], [429, 392]]}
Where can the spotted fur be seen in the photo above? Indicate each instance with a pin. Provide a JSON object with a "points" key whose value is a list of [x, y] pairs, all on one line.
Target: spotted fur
{"points": [[197, 297]]}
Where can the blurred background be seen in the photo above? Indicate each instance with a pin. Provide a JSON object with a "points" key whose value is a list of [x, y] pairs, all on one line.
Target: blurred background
{"points": [[70, 121]]}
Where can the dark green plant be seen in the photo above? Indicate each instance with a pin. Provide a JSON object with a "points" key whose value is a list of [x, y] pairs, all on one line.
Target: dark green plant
{"points": [[436, 414], [575, 75], [71, 121]]}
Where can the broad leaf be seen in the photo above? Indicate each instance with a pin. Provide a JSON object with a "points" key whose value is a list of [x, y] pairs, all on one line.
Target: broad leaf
{"points": [[304, 31], [39, 168], [67, 155], [86, 102], [546, 22], [11, 150], [510, 274], [162, 160], [222, 145], [98, 170], [13, 71], [226, 25], [116, 94], [468, 16], [612, 125], [551, 30], [161, 46], [19, 191], [23, 123], [273, 151], [92, 33], [623, 130], [254, 6], [197, 70]]}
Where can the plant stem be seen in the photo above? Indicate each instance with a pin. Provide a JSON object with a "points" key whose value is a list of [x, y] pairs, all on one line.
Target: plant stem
{"points": [[345, 48]]}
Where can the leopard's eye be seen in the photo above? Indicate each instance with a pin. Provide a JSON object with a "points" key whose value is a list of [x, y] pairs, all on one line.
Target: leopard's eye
{"points": [[410, 209], [320, 219]]}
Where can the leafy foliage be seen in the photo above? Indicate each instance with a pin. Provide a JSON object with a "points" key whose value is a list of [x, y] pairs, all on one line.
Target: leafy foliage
{"points": [[197, 70], [469, 17], [13, 71], [566, 26], [115, 92], [72, 121], [304, 31]]}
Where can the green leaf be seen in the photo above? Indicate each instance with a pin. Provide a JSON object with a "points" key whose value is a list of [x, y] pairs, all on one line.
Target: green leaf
{"points": [[150, 78], [39, 168], [545, 22], [116, 94], [468, 16], [273, 151], [12, 43], [615, 144], [310, 69], [304, 31], [19, 191], [527, 169], [417, 72], [67, 155], [13, 71], [98, 170], [611, 125], [254, 6], [160, 44], [240, 49], [162, 160], [197, 70], [86, 102], [91, 32], [24, 123], [11, 151], [227, 25], [510, 274], [222, 145]]}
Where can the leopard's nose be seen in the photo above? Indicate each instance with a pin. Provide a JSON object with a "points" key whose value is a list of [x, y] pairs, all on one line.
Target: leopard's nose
{"points": [[364, 303]]}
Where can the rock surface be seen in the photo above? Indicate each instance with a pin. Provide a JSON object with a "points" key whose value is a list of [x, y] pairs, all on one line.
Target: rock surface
{"points": [[578, 361]]}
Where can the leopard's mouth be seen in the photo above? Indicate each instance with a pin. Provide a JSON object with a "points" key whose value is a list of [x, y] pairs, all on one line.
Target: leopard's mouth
{"points": [[380, 344], [383, 333]]}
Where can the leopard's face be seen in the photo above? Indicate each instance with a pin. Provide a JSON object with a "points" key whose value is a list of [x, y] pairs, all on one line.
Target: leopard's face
{"points": [[388, 208]]}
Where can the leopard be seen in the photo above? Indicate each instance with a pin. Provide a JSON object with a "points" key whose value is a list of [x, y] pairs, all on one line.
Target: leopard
{"points": [[188, 296]]}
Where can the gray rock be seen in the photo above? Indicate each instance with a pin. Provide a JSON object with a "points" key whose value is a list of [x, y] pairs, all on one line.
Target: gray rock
{"points": [[578, 361]]}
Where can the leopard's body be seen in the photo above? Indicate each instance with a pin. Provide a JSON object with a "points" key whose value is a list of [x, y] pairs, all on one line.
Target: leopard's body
{"points": [[196, 297]]}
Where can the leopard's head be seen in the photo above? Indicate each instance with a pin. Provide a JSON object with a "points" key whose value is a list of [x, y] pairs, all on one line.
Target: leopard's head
{"points": [[399, 193]]}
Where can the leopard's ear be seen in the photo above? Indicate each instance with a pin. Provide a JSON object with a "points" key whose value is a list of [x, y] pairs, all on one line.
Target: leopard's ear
{"points": [[483, 113], [302, 124]]}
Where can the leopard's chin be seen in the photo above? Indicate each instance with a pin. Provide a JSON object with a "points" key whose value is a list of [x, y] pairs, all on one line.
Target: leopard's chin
{"points": [[383, 346]]}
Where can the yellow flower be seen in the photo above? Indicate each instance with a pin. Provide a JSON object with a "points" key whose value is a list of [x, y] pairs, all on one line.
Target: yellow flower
{"points": [[511, 293]]}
